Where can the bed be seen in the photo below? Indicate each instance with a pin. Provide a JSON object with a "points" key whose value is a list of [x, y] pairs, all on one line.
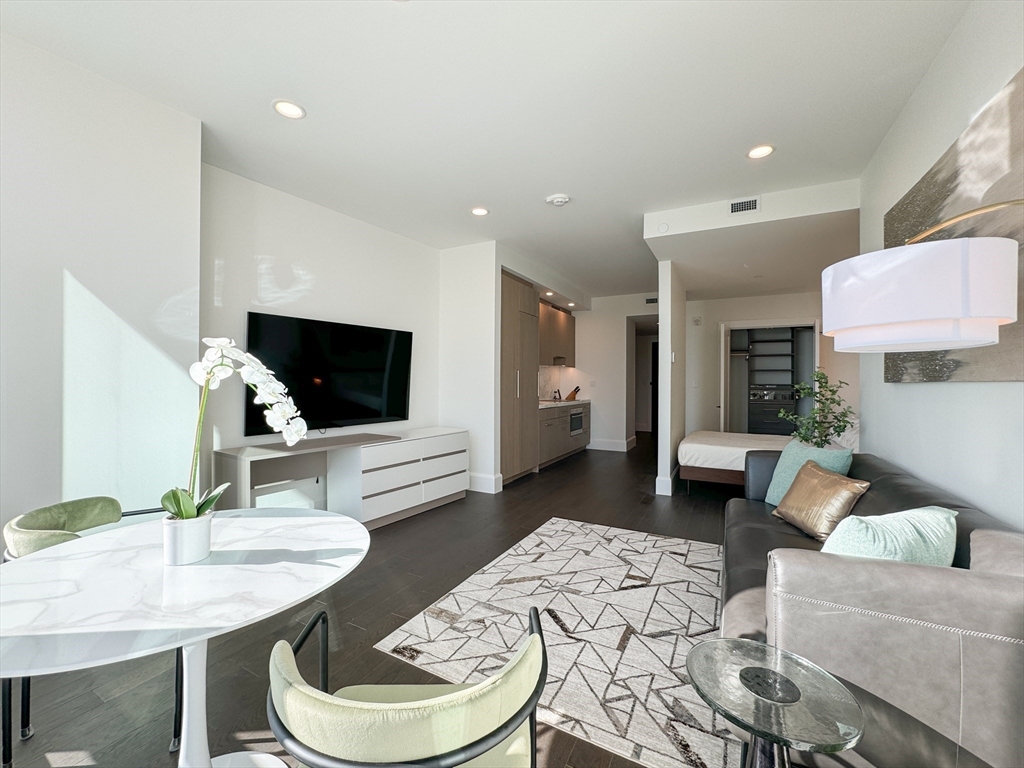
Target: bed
{"points": [[718, 457]]}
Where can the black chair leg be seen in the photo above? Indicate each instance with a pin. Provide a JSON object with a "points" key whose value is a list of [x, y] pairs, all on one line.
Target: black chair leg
{"points": [[7, 757], [179, 684], [26, 704]]}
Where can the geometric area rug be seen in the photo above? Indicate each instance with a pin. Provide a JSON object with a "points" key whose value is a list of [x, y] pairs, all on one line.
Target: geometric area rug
{"points": [[620, 609]]}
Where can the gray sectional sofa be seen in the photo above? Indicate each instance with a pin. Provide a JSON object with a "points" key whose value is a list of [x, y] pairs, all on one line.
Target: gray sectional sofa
{"points": [[934, 655]]}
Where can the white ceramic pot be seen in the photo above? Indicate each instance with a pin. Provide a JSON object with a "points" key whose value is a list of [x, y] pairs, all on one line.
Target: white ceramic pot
{"points": [[186, 541]]}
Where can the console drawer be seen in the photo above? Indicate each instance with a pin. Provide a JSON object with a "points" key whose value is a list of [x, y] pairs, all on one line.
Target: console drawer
{"points": [[435, 446], [435, 489], [386, 454], [393, 501], [380, 480], [444, 465]]}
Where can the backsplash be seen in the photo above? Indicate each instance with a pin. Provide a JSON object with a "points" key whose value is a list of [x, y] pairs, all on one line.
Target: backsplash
{"points": [[561, 377]]}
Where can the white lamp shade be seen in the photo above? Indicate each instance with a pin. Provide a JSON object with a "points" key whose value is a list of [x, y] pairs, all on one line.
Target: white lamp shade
{"points": [[944, 294]]}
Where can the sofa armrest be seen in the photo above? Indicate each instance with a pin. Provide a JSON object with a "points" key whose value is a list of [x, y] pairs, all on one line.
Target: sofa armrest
{"points": [[759, 467], [939, 648]]}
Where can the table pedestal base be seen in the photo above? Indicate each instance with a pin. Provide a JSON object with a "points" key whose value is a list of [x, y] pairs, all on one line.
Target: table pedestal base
{"points": [[248, 760], [765, 754], [195, 746]]}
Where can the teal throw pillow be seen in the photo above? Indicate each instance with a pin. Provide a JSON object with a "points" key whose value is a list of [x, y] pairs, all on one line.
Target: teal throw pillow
{"points": [[926, 535], [794, 456]]}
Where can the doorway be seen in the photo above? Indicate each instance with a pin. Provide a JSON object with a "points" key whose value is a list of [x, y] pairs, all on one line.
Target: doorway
{"points": [[644, 376], [761, 362]]}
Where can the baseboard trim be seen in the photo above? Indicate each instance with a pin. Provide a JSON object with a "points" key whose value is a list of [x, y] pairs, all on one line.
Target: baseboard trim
{"points": [[482, 483], [619, 446], [631, 443], [665, 486]]}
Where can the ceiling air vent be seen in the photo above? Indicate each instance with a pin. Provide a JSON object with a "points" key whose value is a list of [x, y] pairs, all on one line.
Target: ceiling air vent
{"points": [[745, 205], [651, 301]]}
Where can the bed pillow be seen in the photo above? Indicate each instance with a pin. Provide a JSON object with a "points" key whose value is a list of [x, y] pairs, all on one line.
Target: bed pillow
{"points": [[926, 536], [818, 500], [794, 456]]}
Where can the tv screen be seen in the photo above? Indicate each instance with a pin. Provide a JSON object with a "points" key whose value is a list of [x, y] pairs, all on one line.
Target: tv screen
{"points": [[337, 374]]}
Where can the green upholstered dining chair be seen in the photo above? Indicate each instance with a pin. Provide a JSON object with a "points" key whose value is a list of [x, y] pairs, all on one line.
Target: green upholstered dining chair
{"points": [[44, 528], [58, 523], [490, 724]]}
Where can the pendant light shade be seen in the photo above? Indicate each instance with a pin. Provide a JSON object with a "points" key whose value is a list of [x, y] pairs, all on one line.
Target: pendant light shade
{"points": [[944, 294]]}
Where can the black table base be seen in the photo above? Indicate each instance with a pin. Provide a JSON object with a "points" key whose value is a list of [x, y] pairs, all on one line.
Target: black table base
{"points": [[765, 754]]}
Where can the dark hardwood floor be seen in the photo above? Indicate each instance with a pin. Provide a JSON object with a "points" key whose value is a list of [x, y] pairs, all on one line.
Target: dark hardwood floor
{"points": [[120, 715]]}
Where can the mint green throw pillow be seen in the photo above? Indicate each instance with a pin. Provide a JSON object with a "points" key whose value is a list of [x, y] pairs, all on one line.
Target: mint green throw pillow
{"points": [[926, 535], [794, 456]]}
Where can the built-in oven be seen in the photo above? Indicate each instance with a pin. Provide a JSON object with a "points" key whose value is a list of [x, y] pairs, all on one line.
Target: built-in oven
{"points": [[576, 421]]}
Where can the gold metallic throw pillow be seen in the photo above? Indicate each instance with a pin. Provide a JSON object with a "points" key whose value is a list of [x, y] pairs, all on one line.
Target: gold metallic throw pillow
{"points": [[818, 499]]}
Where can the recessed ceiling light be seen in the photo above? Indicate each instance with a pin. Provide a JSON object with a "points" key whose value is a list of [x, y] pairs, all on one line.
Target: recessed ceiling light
{"points": [[480, 211], [550, 293], [572, 303], [289, 109], [760, 151]]}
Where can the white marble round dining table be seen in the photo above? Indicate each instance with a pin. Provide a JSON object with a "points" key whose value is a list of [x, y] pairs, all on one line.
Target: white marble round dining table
{"points": [[108, 597]]}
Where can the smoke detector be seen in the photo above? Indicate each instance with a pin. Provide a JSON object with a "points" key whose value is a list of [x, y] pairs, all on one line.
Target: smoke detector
{"points": [[557, 200]]}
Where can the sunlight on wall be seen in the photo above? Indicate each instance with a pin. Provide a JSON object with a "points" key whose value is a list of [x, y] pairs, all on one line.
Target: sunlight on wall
{"points": [[128, 408]]}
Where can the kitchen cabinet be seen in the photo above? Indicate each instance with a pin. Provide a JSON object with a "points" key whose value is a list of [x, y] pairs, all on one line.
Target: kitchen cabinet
{"points": [[519, 368], [557, 336], [556, 442]]}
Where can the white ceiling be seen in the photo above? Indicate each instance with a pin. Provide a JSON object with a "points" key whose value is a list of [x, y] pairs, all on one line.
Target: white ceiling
{"points": [[761, 259], [418, 111]]}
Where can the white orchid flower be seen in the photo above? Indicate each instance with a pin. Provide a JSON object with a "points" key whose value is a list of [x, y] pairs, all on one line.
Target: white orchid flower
{"points": [[198, 373], [253, 376], [294, 431], [217, 364], [275, 421]]}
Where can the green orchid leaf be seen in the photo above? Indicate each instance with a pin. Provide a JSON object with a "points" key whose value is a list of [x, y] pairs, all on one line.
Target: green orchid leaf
{"points": [[179, 504], [210, 498]]}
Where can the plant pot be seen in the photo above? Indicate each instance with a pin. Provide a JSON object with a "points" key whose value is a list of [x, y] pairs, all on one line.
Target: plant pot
{"points": [[186, 541]]}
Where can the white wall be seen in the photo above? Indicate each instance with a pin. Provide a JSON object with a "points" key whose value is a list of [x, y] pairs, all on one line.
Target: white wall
{"points": [[703, 352], [643, 382], [99, 286], [603, 367], [469, 356], [267, 251], [671, 372], [966, 437]]}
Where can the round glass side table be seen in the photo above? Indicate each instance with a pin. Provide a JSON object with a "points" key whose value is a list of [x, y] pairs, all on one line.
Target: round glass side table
{"points": [[779, 698]]}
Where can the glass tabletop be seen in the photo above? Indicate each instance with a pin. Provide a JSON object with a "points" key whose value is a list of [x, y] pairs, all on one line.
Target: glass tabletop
{"points": [[775, 694]]}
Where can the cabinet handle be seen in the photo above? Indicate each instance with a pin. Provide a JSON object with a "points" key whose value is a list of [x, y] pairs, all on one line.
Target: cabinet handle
{"points": [[517, 384]]}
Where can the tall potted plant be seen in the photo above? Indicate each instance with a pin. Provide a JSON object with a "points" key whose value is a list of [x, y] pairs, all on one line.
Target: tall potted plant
{"points": [[187, 525], [829, 416]]}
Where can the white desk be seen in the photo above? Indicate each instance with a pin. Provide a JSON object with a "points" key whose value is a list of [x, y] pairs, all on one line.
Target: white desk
{"points": [[108, 597]]}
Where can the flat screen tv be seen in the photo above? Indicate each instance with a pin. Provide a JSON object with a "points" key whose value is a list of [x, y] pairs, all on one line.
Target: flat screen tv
{"points": [[337, 374]]}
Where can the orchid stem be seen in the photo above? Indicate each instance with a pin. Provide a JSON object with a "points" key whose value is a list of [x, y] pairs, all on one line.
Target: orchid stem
{"points": [[193, 477]]}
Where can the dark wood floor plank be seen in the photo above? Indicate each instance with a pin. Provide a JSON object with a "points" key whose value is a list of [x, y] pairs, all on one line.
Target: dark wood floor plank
{"points": [[120, 715]]}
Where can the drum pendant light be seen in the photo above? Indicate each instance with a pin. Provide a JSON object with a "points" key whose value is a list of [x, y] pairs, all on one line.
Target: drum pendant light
{"points": [[943, 294]]}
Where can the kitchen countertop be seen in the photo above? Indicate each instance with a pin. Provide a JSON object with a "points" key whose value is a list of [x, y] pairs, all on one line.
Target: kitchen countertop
{"points": [[560, 403]]}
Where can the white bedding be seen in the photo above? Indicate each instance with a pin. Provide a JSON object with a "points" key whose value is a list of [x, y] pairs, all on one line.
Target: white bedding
{"points": [[725, 450]]}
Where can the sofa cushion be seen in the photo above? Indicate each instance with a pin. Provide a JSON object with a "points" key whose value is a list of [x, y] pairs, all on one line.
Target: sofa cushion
{"points": [[893, 490], [818, 500], [926, 536], [794, 456]]}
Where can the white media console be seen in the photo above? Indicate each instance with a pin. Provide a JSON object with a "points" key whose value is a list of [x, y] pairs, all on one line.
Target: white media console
{"points": [[376, 478]]}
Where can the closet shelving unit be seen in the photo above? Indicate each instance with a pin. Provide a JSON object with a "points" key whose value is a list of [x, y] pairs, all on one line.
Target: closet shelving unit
{"points": [[771, 370]]}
